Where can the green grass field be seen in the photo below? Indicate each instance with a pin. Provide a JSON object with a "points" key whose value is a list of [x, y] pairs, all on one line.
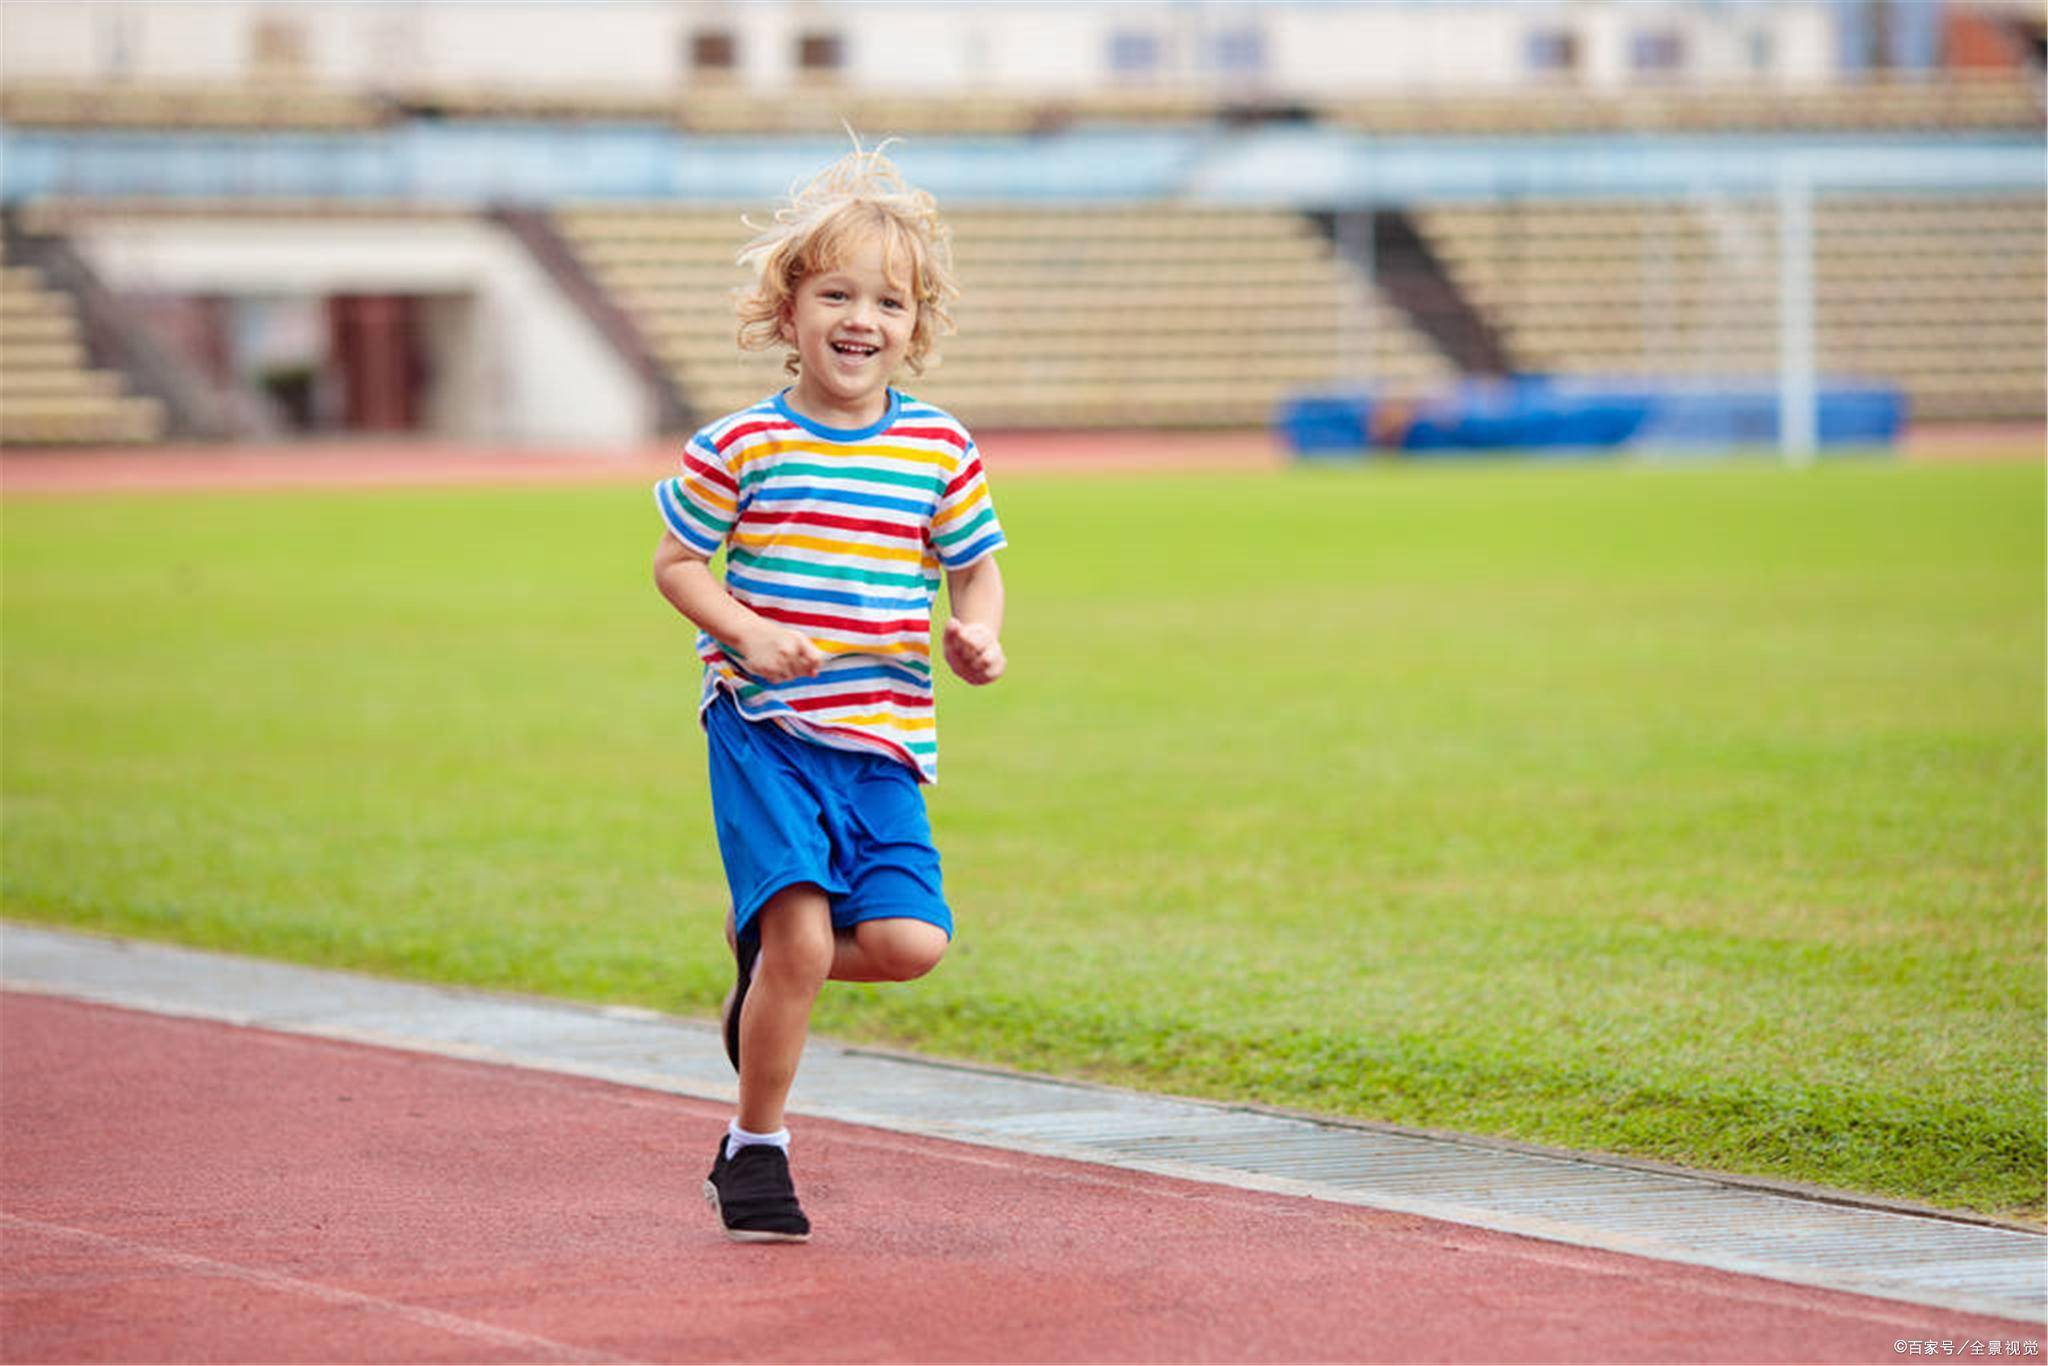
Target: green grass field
{"points": [[1694, 813]]}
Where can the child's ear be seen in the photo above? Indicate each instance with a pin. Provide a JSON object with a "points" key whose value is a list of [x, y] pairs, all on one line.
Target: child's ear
{"points": [[785, 322]]}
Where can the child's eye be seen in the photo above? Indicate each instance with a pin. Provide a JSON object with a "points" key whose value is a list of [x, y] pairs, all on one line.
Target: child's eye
{"points": [[835, 295], [893, 303]]}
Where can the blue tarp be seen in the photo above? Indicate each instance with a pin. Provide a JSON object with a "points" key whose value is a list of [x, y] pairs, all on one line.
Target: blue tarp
{"points": [[1538, 413]]}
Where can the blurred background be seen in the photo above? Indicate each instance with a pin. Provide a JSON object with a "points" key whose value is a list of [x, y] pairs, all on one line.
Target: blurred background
{"points": [[1402, 223]]}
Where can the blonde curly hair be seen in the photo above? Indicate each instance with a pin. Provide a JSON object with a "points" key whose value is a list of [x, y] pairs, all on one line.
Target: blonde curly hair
{"points": [[857, 198]]}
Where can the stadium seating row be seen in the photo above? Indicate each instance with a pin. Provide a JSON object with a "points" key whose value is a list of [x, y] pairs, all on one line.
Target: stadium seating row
{"points": [[48, 392], [1117, 316], [1940, 296], [1018, 228], [238, 105], [1122, 315], [57, 214], [1959, 100]]}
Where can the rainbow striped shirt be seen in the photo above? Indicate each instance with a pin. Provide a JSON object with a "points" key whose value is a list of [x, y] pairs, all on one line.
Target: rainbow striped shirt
{"points": [[840, 534]]}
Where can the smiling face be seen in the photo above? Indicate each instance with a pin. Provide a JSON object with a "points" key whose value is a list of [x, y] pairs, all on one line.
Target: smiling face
{"points": [[851, 326]]}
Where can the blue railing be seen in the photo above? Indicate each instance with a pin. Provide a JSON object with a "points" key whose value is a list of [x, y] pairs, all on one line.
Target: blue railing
{"points": [[529, 163]]}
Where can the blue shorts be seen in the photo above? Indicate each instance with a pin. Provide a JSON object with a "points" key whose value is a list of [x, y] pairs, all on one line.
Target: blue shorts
{"points": [[789, 810]]}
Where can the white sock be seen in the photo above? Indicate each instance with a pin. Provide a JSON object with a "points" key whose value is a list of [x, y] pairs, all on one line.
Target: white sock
{"points": [[737, 1138]]}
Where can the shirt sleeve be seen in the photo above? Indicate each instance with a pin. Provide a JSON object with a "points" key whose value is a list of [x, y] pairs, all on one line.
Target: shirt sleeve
{"points": [[964, 526], [700, 504]]}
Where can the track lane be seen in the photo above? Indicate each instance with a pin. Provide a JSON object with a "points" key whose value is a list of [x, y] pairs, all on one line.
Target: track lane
{"points": [[185, 1190]]}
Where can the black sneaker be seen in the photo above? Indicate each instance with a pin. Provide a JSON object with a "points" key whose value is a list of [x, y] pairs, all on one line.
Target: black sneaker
{"points": [[729, 1013], [753, 1196]]}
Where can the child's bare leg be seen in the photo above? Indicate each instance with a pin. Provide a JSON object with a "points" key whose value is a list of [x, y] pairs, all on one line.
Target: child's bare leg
{"points": [[892, 950], [797, 947]]}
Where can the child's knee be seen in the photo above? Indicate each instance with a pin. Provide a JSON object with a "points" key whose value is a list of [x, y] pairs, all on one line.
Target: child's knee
{"points": [[903, 949], [796, 936]]}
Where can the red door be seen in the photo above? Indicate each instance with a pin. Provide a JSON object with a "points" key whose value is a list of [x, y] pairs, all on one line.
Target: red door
{"points": [[376, 347]]}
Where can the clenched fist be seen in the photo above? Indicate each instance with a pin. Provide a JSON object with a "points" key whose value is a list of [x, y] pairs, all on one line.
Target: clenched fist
{"points": [[973, 652], [776, 654]]}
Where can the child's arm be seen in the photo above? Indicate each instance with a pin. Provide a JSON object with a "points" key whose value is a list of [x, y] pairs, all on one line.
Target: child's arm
{"points": [[974, 649], [766, 649]]}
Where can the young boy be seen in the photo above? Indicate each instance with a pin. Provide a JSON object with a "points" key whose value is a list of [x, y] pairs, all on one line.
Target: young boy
{"points": [[839, 501]]}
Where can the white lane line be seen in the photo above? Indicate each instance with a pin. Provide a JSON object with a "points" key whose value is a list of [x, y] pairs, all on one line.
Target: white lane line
{"points": [[546, 1349]]}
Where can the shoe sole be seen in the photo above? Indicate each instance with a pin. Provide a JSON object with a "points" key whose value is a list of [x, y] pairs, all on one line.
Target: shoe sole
{"points": [[748, 1235], [729, 1021], [729, 1009]]}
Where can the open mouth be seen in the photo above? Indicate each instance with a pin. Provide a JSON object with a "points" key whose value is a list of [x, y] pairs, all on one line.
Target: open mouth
{"points": [[859, 350]]}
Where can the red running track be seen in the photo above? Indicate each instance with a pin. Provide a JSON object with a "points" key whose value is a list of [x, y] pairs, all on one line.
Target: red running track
{"points": [[177, 1190]]}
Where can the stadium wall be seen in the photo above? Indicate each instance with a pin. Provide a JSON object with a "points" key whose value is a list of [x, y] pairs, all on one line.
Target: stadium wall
{"points": [[774, 46], [512, 360]]}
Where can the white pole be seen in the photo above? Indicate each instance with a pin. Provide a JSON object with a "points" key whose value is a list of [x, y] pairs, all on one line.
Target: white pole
{"points": [[1359, 312], [1797, 418]]}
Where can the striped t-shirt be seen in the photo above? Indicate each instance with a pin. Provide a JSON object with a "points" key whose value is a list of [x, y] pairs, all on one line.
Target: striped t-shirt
{"points": [[840, 534]]}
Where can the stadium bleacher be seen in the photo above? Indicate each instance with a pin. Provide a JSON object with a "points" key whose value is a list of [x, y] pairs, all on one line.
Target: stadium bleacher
{"points": [[1958, 100], [254, 105], [1147, 315], [1939, 295], [1139, 315], [49, 393], [1155, 311]]}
